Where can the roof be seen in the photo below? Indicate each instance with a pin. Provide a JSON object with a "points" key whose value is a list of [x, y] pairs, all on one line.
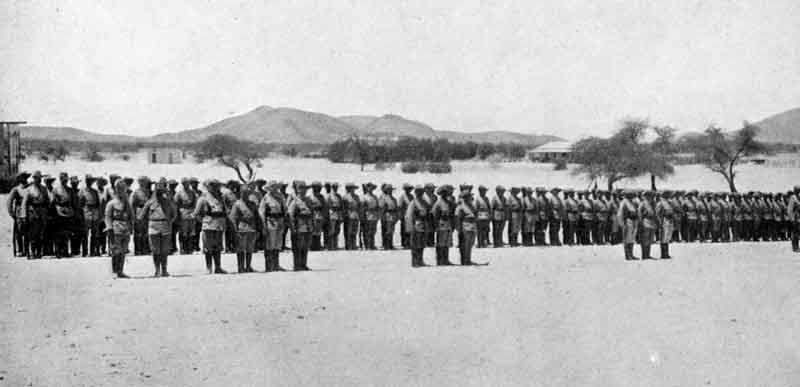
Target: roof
{"points": [[554, 147]]}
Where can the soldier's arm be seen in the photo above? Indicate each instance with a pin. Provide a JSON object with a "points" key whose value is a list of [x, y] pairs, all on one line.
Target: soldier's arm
{"points": [[409, 217], [107, 210], [10, 202], [199, 208], [144, 212], [24, 206], [233, 216]]}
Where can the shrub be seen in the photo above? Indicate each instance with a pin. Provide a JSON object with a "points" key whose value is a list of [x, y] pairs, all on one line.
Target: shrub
{"points": [[411, 167], [125, 157], [380, 166], [442, 167]]}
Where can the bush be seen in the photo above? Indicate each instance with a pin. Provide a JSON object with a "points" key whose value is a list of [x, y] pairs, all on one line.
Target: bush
{"points": [[125, 157], [411, 167], [495, 160], [383, 166], [443, 167], [560, 165]]}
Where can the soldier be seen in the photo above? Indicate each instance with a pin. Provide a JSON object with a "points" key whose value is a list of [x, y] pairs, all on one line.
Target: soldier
{"points": [[484, 216], [389, 213], [677, 209], [572, 212], [587, 217], [159, 213], [300, 221], [648, 223], [777, 214], [211, 211], [118, 216], [416, 218], [230, 193], [603, 216], [172, 186], [793, 214], [716, 215], [703, 217], [352, 209], [690, 211], [336, 216], [405, 198], [33, 214], [14, 206], [65, 213], [467, 217], [499, 212], [104, 237], [140, 196], [194, 184], [186, 201], [666, 216], [319, 207], [77, 238], [272, 211], [543, 212], [442, 213], [556, 207], [737, 223], [514, 208], [287, 198], [244, 218], [370, 213], [50, 228], [529, 216], [430, 197], [627, 216], [90, 205]]}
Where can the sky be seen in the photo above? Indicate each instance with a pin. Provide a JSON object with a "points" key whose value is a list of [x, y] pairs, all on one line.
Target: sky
{"points": [[568, 68]]}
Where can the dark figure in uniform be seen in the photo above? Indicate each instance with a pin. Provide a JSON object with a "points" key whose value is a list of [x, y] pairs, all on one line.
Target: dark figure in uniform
{"points": [[91, 205], [442, 214], [77, 237], [647, 223], [14, 206], [389, 214], [586, 218], [793, 213], [628, 218], [530, 215], [336, 216], [186, 201], [64, 220], [667, 219], [319, 207], [430, 197], [194, 184], [417, 219], [515, 213], [690, 212], [172, 186], [370, 213], [50, 229], [572, 212], [33, 214], [244, 218], [300, 221], [159, 213], [499, 215], [140, 196], [118, 216], [352, 211], [230, 194], [556, 214], [466, 216], [272, 211], [543, 209], [103, 235], [484, 216], [405, 199], [603, 218], [212, 213]]}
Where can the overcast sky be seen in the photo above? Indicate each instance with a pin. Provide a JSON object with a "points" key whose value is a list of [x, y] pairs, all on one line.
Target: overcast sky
{"points": [[569, 68]]}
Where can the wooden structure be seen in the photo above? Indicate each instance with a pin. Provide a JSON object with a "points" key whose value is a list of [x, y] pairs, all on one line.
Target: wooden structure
{"points": [[10, 148]]}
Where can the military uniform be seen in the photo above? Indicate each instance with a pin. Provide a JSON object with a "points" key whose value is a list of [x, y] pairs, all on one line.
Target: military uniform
{"points": [[370, 213], [272, 211], [352, 209], [64, 221], [212, 213], [230, 194], [118, 217], [159, 213], [319, 207], [667, 220], [140, 196], [93, 213], [602, 222], [466, 216], [244, 218], [543, 211], [529, 217], [442, 213], [515, 214], [627, 214], [484, 217], [336, 216], [572, 213], [186, 201], [499, 216], [417, 219], [430, 231], [389, 214], [556, 208], [587, 218], [793, 214], [405, 198], [33, 214], [14, 207], [690, 212], [301, 223]]}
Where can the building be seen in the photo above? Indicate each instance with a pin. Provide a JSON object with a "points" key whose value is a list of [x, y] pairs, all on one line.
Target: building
{"points": [[551, 152], [165, 155], [10, 148]]}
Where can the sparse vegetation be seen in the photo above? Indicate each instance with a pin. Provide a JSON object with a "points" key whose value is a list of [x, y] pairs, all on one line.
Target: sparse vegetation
{"points": [[240, 156], [92, 153], [721, 153]]}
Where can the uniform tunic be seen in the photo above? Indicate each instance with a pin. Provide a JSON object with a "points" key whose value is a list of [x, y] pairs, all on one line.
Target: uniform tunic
{"points": [[389, 211], [213, 215], [667, 219], [319, 207], [119, 217], [627, 217], [417, 219], [186, 201], [159, 213], [272, 211], [530, 214], [244, 218], [466, 215], [647, 221], [514, 205], [442, 212]]}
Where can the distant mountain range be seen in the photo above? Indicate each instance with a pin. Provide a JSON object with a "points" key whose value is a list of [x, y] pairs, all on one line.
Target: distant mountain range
{"points": [[293, 126], [781, 128]]}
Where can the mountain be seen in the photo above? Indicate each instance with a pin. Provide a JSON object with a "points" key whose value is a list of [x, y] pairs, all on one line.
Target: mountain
{"points": [[69, 134], [266, 124], [389, 125], [781, 128], [293, 126]]}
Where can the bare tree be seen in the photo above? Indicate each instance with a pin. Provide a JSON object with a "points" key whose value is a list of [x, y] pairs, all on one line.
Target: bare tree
{"points": [[662, 147], [241, 156], [721, 152]]}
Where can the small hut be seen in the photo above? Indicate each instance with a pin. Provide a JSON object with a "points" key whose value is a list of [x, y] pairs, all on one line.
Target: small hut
{"points": [[165, 156]]}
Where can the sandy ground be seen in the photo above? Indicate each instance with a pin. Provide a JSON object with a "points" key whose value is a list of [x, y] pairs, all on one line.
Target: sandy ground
{"points": [[715, 315]]}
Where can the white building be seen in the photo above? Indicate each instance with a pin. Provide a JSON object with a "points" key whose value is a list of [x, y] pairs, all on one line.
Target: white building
{"points": [[551, 152], [165, 155]]}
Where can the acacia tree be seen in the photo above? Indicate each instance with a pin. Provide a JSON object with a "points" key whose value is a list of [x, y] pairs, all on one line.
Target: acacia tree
{"points": [[241, 156], [622, 156], [663, 147], [721, 153]]}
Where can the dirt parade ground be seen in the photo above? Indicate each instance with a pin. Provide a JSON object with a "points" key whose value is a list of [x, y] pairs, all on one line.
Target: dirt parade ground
{"points": [[716, 314]]}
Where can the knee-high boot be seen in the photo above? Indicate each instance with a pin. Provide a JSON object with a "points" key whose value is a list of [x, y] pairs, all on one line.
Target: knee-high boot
{"points": [[114, 264], [208, 263], [121, 266], [164, 272], [276, 262], [646, 252], [665, 251], [218, 263], [446, 256], [240, 262], [157, 265], [248, 261], [630, 251]]}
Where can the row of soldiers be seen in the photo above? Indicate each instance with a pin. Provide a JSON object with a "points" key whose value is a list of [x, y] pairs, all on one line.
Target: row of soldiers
{"points": [[66, 219]]}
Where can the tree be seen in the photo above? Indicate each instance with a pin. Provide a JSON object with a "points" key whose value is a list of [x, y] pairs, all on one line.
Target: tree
{"points": [[241, 156], [92, 154], [54, 153], [663, 147], [721, 152], [622, 156]]}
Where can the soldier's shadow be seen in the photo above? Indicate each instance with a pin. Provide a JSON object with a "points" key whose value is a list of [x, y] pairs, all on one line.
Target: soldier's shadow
{"points": [[138, 277]]}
